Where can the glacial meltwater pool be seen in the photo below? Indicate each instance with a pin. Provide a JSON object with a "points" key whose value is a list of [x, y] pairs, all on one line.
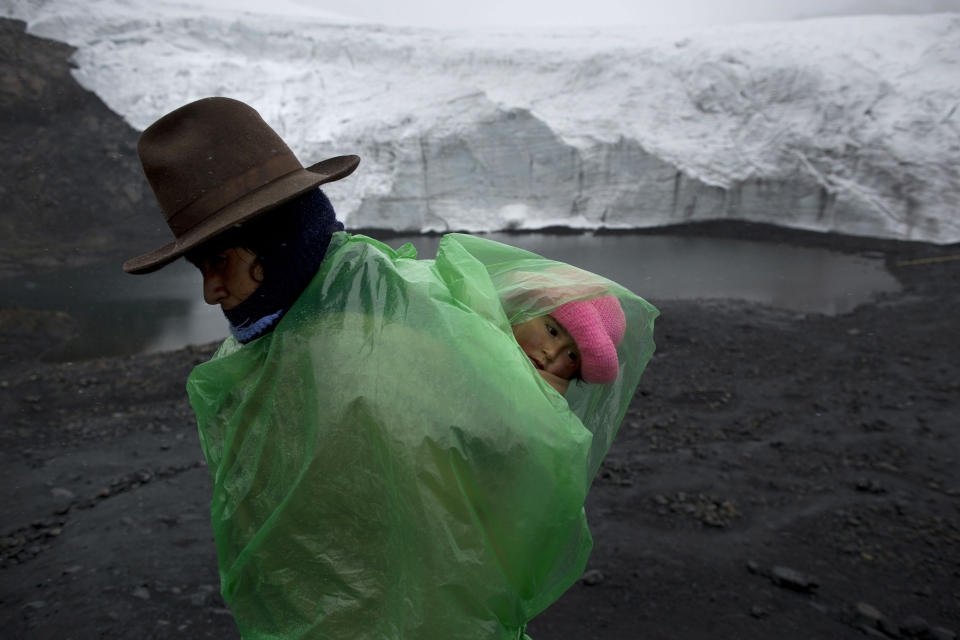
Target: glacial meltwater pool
{"points": [[123, 314]]}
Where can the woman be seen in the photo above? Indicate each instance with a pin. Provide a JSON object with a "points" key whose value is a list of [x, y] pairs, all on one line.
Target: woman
{"points": [[386, 461]]}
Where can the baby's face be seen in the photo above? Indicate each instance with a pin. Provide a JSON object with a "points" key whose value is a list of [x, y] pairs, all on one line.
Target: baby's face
{"points": [[549, 346]]}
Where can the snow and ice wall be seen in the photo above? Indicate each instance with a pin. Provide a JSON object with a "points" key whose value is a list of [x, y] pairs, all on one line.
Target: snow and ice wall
{"points": [[846, 124]]}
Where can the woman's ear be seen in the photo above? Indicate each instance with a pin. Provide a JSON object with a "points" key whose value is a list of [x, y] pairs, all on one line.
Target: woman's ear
{"points": [[256, 272]]}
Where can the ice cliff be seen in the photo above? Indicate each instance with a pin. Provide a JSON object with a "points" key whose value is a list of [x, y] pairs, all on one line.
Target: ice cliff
{"points": [[841, 124]]}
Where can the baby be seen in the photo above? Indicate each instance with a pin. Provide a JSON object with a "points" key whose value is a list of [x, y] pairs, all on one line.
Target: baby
{"points": [[576, 340]]}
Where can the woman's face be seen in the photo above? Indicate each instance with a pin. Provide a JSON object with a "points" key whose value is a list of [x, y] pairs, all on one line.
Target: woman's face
{"points": [[549, 346], [230, 276]]}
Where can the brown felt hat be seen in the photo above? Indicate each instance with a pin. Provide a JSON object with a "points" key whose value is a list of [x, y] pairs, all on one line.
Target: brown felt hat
{"points": [[215, 164]]}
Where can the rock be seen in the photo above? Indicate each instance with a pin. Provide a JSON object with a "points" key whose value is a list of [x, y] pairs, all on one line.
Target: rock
{"points": [[792, 579], [60, 492], [867, 613], [592, 577], [204, 595], [759, 612], [870, 486], [170, 521], [869, 619], [915, 627], [141, 592], [942, 633]]}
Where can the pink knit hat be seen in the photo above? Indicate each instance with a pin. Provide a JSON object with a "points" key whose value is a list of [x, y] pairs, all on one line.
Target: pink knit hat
{"points": [[597, 326]]}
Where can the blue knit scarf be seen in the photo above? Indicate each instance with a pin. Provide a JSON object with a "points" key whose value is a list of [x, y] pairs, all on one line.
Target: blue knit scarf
{"points": [[290, 243]]}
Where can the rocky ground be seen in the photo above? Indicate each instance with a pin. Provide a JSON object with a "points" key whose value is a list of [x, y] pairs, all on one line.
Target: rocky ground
{"points": [[777, 475]]}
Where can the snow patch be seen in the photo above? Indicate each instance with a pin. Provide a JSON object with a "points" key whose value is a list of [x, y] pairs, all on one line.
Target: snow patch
{"points": [[841, 124]]}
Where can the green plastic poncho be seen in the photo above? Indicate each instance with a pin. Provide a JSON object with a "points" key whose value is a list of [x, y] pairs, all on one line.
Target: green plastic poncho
{"points": [[388, 464]]}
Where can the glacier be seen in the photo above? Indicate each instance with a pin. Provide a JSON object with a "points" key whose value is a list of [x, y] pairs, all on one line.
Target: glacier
{"points": [[846, 125]]}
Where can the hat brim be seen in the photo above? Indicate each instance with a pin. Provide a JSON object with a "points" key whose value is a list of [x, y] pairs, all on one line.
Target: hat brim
{"points": [[245, 209]]}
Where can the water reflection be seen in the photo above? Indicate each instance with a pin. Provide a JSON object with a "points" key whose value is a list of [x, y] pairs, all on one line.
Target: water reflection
{"points": [[122, 314], [806, 280], [119, 314]]}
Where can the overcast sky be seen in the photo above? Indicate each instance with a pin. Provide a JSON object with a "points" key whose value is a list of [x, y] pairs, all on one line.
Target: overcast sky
{"points": [[546, 13]]}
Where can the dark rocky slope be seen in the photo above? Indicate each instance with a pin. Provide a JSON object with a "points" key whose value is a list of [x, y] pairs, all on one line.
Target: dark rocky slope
{"points": [[72, 190]]}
